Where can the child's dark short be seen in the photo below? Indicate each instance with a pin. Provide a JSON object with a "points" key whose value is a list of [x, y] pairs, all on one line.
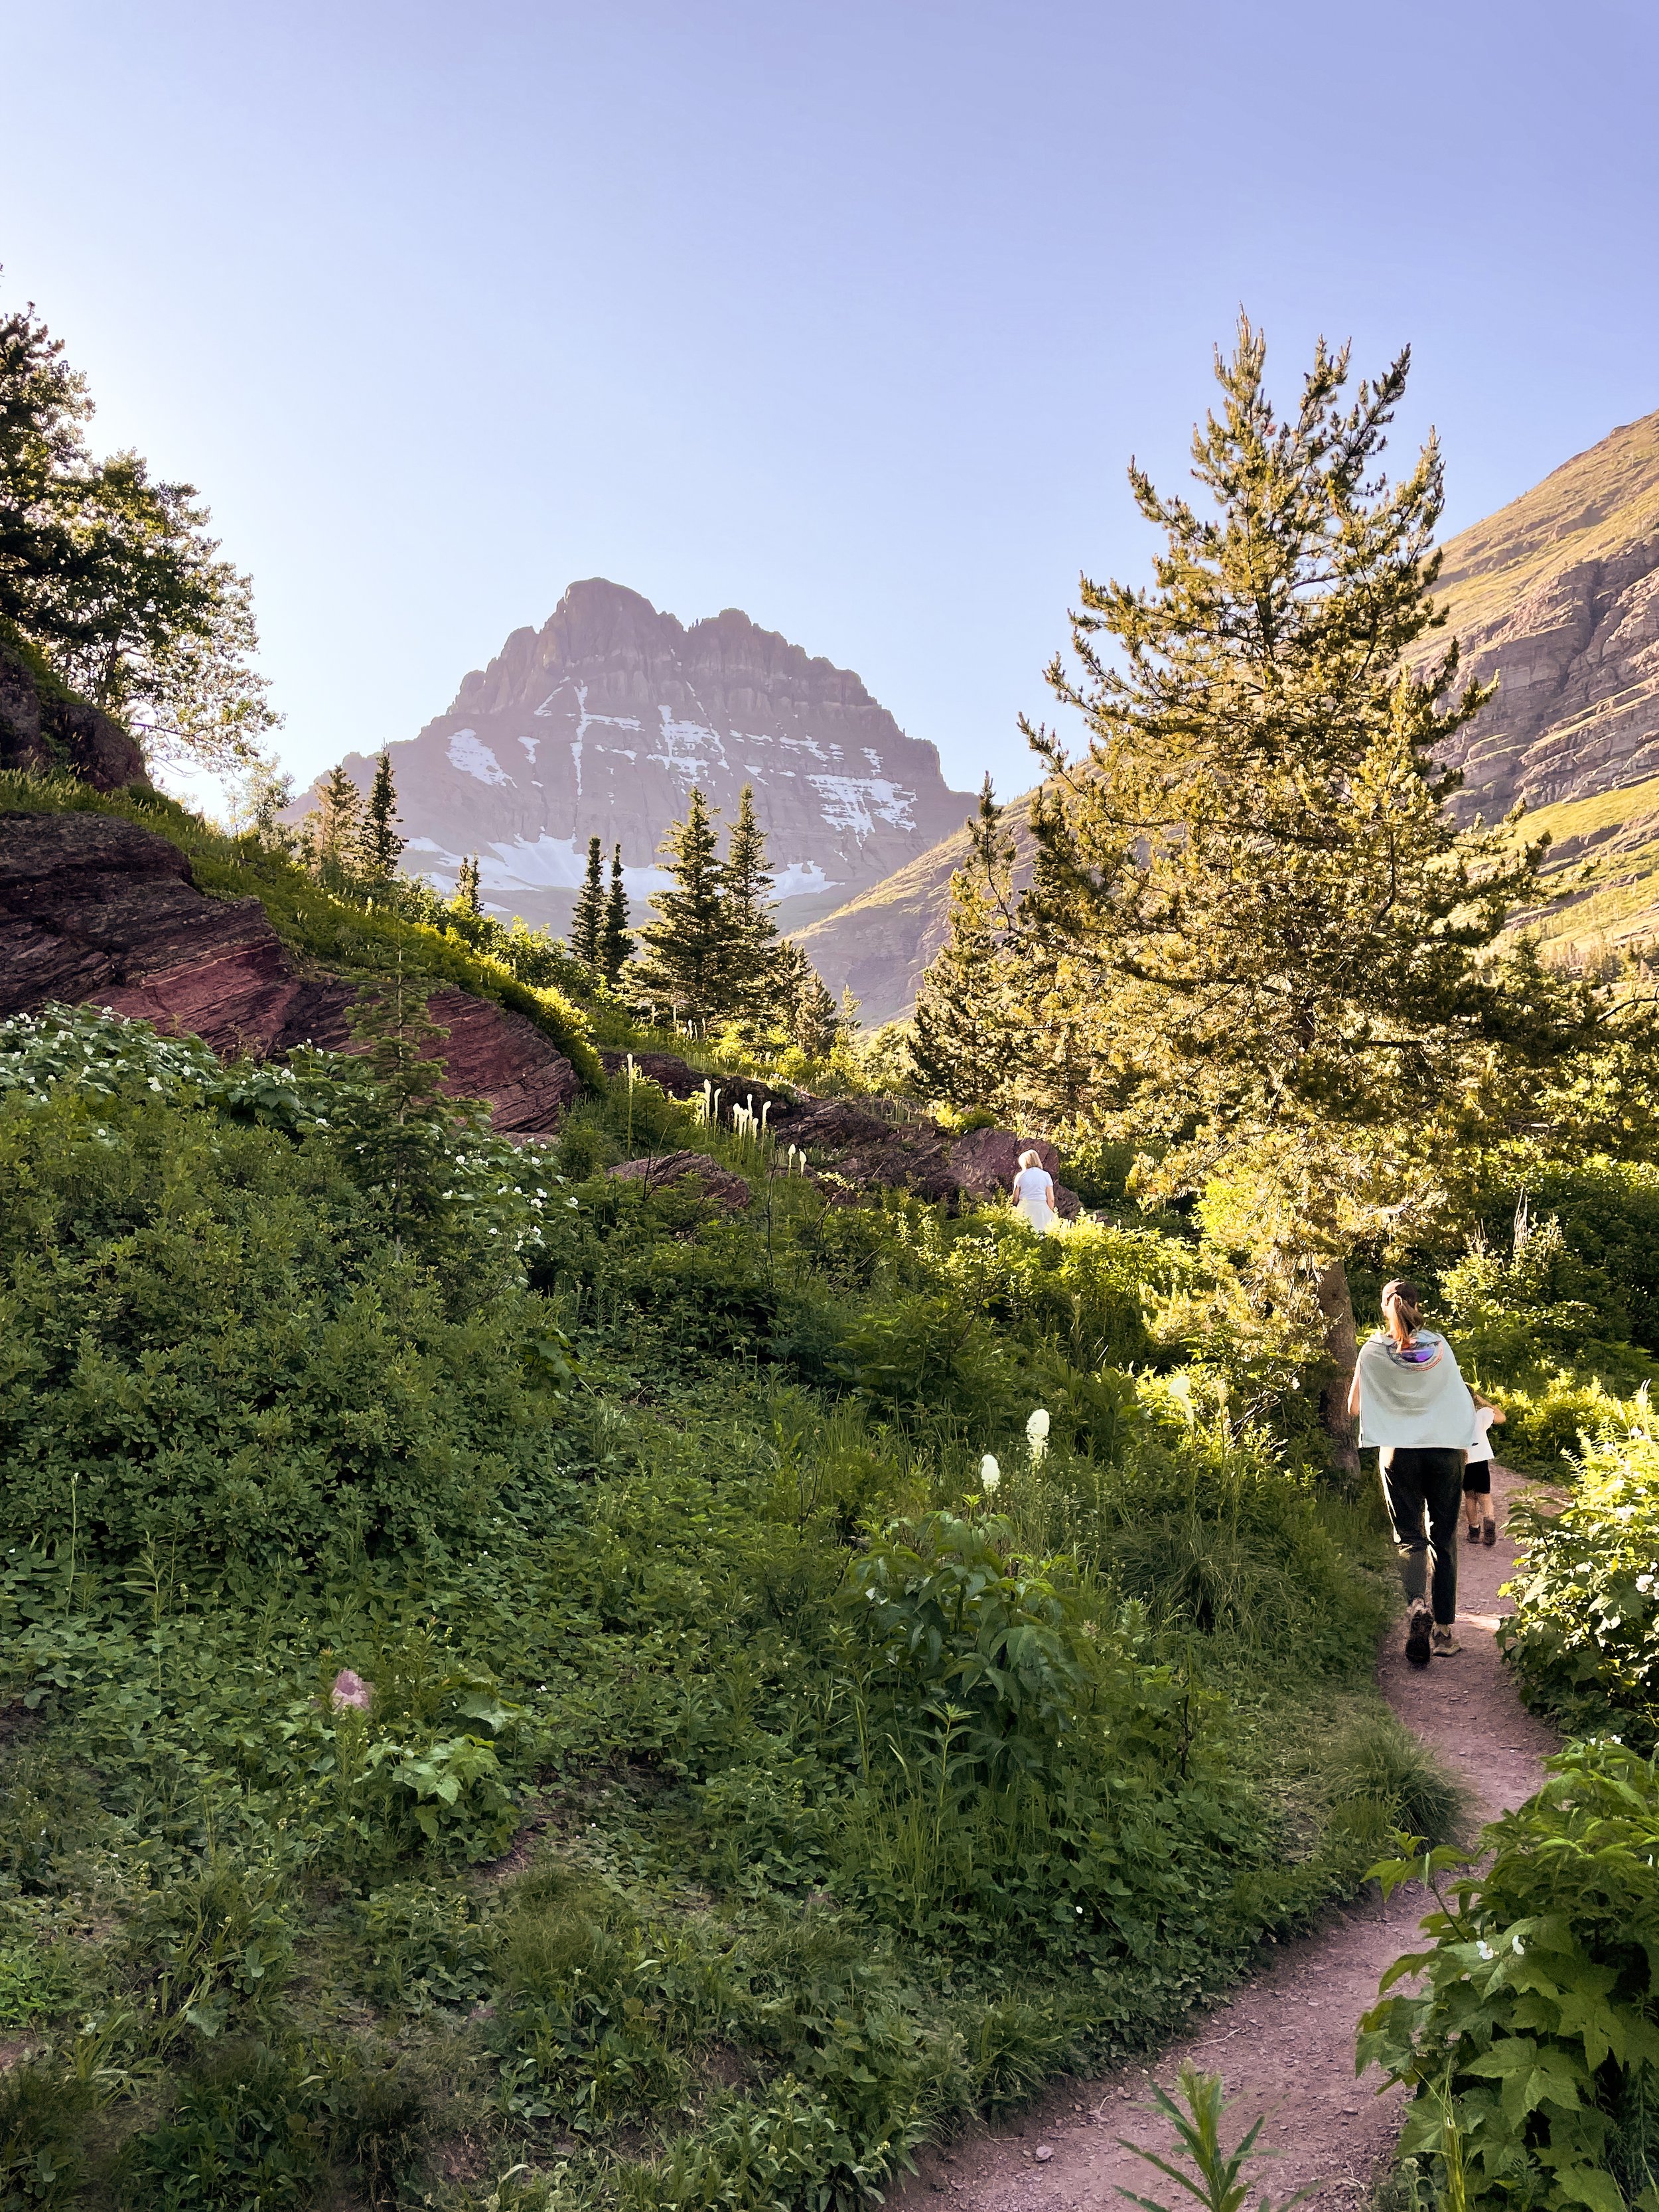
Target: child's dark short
{"points": [[1477, 1477]]}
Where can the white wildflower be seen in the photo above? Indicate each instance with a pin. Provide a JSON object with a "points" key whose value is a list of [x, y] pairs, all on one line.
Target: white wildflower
{"points": [[1036, 1435], [990, 1474]]}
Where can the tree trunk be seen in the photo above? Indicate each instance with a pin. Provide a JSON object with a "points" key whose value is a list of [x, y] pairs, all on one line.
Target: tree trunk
{"points": [[1341, 1349]]}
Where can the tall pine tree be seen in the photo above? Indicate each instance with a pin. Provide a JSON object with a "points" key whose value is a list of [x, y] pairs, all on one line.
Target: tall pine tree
{"points": [[616, 945], [379, 845], [587, 923], [468, 899], [965, 1033], [336, 822], [751, 985], [1274, 952], [688, 944]]}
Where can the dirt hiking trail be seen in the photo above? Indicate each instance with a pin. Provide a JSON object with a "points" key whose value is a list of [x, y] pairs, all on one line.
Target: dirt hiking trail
{"points": [[1284, 2044]]}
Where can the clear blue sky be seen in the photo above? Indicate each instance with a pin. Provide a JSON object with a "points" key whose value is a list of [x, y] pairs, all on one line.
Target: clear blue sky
{"points": [[849, 314]]}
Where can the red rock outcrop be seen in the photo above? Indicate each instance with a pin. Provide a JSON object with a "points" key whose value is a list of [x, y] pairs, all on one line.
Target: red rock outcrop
{"points": [[42, 735], [98, 911], [861, 1148], [985, 1162]]}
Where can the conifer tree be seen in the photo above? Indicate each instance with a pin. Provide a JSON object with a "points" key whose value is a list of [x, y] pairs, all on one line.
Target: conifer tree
{"points": [[751, 984], [587, 923], [1273, 950], [688, 958], [963, 1036], [336, 822], [394, 1135], [616, 945], [378, 845], [468, 899], [814, 1023]]}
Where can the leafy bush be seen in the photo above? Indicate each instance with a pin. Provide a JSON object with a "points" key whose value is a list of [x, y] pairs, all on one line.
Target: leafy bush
{"points": [[1584, 1635], [1534, 2045], [245, 2132], [427, 1947], [41, 2118], [206, 1344]]}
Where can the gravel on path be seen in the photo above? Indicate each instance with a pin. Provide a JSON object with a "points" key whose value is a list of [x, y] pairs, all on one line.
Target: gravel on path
{"points": [[1284, 2044]]}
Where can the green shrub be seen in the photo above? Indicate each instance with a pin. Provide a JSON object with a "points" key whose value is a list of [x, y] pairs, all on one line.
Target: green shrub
{"points": [[211, 1951], [427, 1947], [1584, 1636], [1535, 2042], [42, 2116], [206, 1345], [245, 2133]]}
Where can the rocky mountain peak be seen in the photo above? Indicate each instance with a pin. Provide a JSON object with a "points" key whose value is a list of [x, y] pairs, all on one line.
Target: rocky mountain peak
{"points": [[601, 721]]}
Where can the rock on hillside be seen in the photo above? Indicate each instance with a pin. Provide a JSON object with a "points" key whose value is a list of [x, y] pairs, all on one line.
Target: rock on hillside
{"points": [[1557, 596], [600, 722], [860, 1149], [43, 732], [98, 911]]}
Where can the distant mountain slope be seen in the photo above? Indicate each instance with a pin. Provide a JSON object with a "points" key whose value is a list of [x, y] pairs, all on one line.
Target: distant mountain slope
{"points": [[1609, 844], [601, 723], [1557, 594], [880, 942]]}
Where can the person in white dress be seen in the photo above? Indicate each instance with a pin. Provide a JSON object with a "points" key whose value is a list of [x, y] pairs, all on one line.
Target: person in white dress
{"points": [[1034, 1194]]}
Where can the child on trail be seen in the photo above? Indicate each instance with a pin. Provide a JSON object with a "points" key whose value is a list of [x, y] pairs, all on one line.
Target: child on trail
{"points": [[1415, 1406], [1034, 1194], [1477, 1473]]}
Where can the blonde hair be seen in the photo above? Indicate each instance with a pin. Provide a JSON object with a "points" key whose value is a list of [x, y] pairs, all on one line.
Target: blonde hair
{"points": [[1402, 1308], [1030, 1159]]}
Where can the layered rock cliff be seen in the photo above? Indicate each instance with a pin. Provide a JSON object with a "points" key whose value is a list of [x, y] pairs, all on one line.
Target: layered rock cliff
{"points": [[98, 911], [600, 722], [1557, 596]]}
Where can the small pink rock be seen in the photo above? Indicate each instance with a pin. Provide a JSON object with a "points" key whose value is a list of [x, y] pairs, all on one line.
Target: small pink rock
{"points": [[1042, 2152], [350, 1689]]}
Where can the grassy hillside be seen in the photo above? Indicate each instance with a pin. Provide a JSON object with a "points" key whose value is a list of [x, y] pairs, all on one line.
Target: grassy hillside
{"points": [[743, 1792], [1592, 505], [1607, 849]]}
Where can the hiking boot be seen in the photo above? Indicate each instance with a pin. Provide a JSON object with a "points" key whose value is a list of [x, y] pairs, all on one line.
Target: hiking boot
{"points": [[1419, 1630], [1489, 1533], [1444, 1644], [1472, 1532]]}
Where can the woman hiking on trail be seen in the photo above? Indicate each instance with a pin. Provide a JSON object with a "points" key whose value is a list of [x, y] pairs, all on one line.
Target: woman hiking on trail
{"points": [[1416, 1407], [1034, 1194]]}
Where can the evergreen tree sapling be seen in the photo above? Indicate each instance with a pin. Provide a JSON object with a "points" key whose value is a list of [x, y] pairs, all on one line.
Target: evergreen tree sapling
{"points": [[752, 991], [379, 845], [1273, 948], [395, 1135], [616, 945], [814, 1023], [964, 1039], [335, 823], [468, 899], [689, 957], [587, 923]]}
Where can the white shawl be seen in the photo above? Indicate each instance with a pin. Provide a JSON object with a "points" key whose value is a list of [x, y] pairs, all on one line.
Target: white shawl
{"points": [[1402, 1403]]}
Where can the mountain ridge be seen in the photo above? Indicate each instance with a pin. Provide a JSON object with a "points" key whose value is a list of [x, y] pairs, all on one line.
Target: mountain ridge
{"points": [[599, 723]]}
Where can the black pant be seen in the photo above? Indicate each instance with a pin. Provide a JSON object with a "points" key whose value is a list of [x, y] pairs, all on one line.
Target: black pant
{"points": [[1420, 1486]]}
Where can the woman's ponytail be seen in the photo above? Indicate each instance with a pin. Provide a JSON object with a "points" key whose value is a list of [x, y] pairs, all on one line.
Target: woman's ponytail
{"points": [[1402, 1310]]}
